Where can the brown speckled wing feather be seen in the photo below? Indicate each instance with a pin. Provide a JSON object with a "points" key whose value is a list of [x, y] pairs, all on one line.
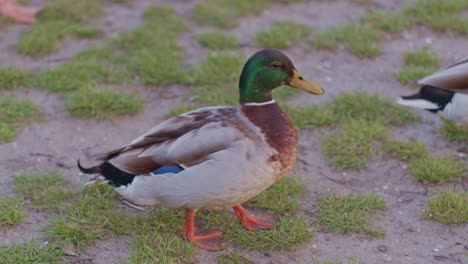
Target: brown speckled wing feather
{"points": [[182, 140], [453, 78]]}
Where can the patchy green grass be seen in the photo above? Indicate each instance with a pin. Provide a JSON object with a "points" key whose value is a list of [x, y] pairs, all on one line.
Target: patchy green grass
{"points": [[370, 107], [437, 169], [87, 32], [389, 21], [352, 147], [83, 221], [160, 248], [31, 252], [361, 40], [217, 41], [151, 51], [461, 27], [95, 65], [11, 211], [102, 104], [225, 13], [15, 114], [350, 213], [233, 257], [215, 80], [417, 64], [425, 11], [406, 150], [46, 189], [77, 12], [41, 39], [452, 132], [289, 233], [310, 116], [282, 34], [14, 77], [351, 105], [71, 232], [448, 207], [284, 196], [56, 20], [219, 69]]}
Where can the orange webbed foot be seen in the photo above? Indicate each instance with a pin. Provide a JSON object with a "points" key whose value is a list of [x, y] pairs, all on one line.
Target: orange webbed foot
{"points": [[252, 223], [197, 239]]}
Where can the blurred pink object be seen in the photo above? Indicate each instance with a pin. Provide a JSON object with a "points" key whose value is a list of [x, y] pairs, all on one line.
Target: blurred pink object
{"points": [[19, 13]]}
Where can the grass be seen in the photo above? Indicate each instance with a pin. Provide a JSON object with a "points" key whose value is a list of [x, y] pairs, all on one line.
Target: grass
{"points": [[446, 12], [365, 119], [452, 132], [218, 69], [225, 13], [361, 40], [370, 107], [95, 65], [217, 41], [14, 77], [160, 248], [354, 145], [56, 20], [282, 34], [233, 257], [15, 114], [350, 213], [437, 169], [31, 252], [46, 189], [448, 207], [290, 233], [461, 27], [310, 116], [102, 104], [282, 197], [83, 221], [151, 51], [417, 64], [408, 150], [388, 21], [11, 211], [351, 105]]}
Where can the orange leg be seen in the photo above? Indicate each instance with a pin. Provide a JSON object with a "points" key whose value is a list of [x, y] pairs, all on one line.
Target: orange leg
{"points": [[190, 232], [21, 14], [252, 223]]}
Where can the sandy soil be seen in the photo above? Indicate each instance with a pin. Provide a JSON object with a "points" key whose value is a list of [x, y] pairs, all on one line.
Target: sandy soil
{"points": [[59, 140]]}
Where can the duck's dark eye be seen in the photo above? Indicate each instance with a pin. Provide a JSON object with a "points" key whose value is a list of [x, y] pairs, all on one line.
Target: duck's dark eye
{"points": [[275, 64]]}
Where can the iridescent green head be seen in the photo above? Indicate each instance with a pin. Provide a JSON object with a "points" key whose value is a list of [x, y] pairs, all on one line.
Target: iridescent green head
{"points": [[266, 70]]}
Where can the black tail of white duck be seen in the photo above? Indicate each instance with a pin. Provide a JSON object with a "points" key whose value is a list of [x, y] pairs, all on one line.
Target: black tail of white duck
{"points": [[113, 175], [429, 98]]}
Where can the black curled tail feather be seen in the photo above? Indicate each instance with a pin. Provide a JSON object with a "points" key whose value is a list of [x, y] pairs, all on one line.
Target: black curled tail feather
{"points": [[115, 176], [91, 170]]}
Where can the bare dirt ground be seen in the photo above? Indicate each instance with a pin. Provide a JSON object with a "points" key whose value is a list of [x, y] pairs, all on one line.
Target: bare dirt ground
{"points": [[59, 140]]}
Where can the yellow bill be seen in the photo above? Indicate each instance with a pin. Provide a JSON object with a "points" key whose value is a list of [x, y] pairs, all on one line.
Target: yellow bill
{"points": [[301, 83]]}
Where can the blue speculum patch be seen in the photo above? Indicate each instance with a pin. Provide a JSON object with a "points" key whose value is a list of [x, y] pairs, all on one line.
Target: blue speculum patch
{"points": [[168, 169]]}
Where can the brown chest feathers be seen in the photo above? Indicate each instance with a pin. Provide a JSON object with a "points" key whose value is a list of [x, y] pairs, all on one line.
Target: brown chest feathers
{"points": [[279, 132]]}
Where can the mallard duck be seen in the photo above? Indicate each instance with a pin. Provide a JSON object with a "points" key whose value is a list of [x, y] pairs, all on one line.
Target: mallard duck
{"points": [[444, 92], [214, 157], [19, 13]]}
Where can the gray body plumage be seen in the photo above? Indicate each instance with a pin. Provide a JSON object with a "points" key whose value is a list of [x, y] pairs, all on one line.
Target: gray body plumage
{"points": [[225, 159]]}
